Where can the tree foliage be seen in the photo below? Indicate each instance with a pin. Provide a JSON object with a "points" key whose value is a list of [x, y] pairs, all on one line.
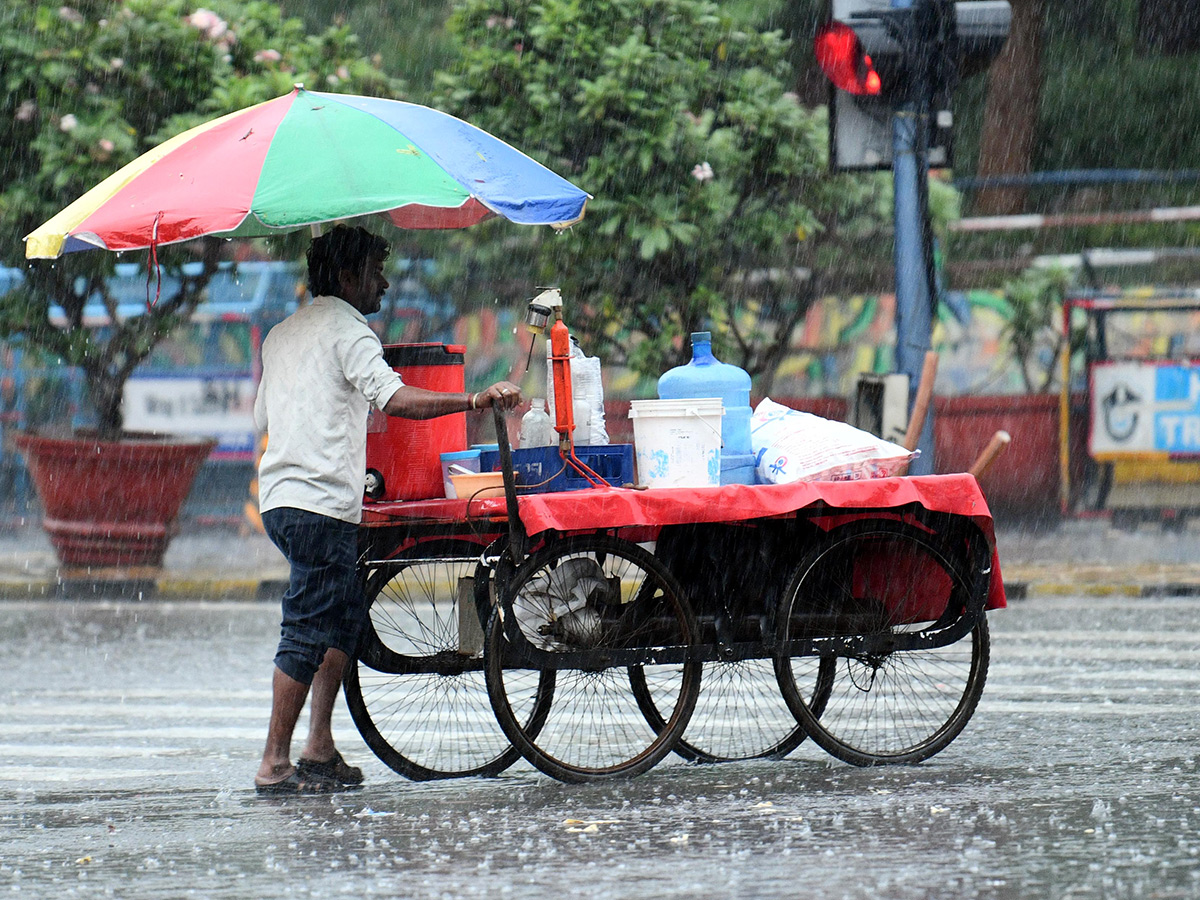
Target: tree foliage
{"points": [[713, 207], [1034, 329], [91, 85]]}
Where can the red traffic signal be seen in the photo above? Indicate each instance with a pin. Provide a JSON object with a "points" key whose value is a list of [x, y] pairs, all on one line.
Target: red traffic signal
{"points": [[845, 62]]}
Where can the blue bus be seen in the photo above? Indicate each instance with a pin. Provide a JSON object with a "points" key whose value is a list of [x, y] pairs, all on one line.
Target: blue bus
{"points": [[202, 378]]}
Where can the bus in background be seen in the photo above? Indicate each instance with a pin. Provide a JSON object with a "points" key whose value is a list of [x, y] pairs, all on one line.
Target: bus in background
{"points": [[202, 378]]}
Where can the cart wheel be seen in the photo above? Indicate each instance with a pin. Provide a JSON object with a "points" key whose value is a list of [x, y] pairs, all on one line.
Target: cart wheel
{"points": [[417, 691], [569, 608], [739, 715], [873, 578]]}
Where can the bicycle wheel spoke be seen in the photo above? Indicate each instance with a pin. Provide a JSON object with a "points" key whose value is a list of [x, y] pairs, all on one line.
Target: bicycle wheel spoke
{"points": [[588, 596], [425, 724], [877, 578]]}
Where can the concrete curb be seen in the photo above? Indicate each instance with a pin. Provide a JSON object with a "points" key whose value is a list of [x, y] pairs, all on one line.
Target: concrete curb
{"points": [[1134, 580], [165, 588]]}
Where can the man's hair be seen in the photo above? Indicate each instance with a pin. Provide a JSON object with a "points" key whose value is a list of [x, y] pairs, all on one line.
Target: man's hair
{"points": [[342, 247]]}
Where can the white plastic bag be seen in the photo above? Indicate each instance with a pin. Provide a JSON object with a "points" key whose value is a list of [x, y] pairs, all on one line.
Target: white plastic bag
{"points": [[560, 608], [790, 445], [588, 390]]}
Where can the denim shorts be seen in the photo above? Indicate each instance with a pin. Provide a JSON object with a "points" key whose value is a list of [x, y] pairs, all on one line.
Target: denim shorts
{"points": [[324, 605]]}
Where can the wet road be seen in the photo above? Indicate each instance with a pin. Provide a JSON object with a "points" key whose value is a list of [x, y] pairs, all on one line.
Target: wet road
{"points": [[129, 735]]}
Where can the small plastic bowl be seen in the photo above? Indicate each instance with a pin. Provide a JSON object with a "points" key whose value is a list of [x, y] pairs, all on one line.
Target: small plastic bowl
{"points": [[478, 485]]}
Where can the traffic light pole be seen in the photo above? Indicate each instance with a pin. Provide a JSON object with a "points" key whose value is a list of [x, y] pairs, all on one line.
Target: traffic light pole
{"points": [[898, 65], [913, 251]]}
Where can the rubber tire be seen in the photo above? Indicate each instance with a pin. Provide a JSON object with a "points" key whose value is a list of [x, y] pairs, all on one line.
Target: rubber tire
{"points": [[736, 718], [925, 697], [559, 745], [423, 725]]}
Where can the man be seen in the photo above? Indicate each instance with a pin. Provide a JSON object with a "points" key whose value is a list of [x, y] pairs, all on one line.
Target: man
{"points": [[323, 369]]}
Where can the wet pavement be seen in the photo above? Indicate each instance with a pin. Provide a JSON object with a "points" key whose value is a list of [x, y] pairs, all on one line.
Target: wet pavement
{"points": [[129, 734]]}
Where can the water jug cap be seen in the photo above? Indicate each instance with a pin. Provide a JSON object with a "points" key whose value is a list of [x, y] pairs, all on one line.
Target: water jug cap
{"points": [[702, 348]]}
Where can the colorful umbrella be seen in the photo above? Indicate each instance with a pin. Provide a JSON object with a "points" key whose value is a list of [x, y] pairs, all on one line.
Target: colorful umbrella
{"points": [[304, 159]]}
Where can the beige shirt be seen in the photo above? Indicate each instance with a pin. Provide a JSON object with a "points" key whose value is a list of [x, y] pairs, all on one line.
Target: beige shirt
{"points": [[323, 369]]}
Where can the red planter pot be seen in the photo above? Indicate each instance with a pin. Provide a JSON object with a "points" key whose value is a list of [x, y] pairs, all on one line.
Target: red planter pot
{"points": [[112, 503]]}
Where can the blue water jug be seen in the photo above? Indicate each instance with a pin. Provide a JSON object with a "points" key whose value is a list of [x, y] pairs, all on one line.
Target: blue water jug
{"points": [[706, 376]]}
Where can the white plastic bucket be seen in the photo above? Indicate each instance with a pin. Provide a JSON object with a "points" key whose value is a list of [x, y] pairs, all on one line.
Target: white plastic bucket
{"points": [[678, 442]]}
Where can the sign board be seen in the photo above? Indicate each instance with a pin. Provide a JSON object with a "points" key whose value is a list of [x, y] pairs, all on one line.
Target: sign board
{"points": [[1145, 407], [218, 406]]}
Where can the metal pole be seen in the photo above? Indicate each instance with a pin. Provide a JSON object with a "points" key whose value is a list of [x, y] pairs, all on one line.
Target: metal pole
{"points": [[914, 308]]}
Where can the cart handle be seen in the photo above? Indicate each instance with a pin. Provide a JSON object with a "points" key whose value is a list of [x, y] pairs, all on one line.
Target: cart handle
{"points": [[516, 531]]}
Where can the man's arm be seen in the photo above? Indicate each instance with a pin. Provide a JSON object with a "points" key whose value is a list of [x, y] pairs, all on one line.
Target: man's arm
{"points": [[410, 402]]}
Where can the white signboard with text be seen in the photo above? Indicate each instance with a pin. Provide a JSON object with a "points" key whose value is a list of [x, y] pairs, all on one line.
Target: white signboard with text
{"points": [[219, 406], [1144, 407]]}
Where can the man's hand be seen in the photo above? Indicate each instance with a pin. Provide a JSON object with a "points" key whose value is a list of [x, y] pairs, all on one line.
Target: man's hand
{"points": [[503, 394]]}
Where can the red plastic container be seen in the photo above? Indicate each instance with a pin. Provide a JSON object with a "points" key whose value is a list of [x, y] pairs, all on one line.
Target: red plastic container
{"points": [[407, 452]]}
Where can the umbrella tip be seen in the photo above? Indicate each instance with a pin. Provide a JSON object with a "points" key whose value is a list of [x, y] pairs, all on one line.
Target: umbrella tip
{"points": [[299, 85]]}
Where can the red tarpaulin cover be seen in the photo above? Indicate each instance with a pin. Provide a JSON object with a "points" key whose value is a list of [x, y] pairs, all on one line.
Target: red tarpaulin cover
{"points": [[622, 507]]}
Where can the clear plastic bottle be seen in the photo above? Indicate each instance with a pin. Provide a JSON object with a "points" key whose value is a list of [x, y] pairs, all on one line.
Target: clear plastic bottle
{"points": [[536, 428]]}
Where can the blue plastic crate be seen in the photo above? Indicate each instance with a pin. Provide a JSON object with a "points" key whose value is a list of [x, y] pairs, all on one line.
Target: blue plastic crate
{"points": [[534, 465]]}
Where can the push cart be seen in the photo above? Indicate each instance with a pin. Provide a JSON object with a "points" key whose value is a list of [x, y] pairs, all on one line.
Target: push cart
{"points": [[594, 632]]}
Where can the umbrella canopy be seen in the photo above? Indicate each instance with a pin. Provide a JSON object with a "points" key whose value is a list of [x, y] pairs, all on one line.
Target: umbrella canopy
{"points": [[307, 158]]}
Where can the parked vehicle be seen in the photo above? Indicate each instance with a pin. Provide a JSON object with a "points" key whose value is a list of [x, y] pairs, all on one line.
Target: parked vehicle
{"points": [[202, 379], [1131, 401]]}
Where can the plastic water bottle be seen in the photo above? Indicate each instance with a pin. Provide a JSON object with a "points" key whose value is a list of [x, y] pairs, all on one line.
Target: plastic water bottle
{"points": [[706, 376], [536, 428]]}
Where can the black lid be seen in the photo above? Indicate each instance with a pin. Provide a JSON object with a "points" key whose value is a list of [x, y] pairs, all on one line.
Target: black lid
{"points": [[396, 355]]}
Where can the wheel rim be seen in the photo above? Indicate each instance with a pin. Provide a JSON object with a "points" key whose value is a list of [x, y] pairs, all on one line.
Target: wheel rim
{"points": [[739, 715], [898, 707], [622, 598], [428, 724]]}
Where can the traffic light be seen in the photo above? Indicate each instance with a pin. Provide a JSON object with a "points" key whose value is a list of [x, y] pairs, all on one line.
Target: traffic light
{"points": [[879, 58]]}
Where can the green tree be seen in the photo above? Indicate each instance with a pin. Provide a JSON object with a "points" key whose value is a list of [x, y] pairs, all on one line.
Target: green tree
{"points": [[411, 36], [90, 85], [1034, 329], [713, 205]]}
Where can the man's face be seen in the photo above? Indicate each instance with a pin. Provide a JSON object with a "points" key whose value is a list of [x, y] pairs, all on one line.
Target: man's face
{"points": [[363, 288]]}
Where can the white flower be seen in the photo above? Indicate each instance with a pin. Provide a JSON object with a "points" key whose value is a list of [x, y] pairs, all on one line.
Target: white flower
{"points": [[26, 111], [116, 63], [268, 56], [702, 172], [106, 145], [213, 26], [68, 123], [69, 14]]}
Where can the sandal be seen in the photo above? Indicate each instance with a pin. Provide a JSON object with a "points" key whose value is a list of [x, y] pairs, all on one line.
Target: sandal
{"points": [[335, 768], [300, 783]]}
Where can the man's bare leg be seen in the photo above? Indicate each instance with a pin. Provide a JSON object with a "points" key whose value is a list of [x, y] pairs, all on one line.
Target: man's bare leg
{"points": [[288, 696], [325, 687]]}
